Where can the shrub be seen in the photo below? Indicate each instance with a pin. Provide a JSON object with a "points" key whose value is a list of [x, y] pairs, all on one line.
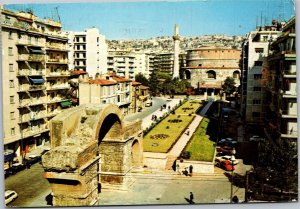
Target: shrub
{"points": [[186, 155]]}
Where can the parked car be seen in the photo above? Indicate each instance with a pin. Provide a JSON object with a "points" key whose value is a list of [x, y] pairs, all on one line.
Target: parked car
{"points": [[10, 196], [148, 104], [227, 142], [224, 150], [16, 167], [226, 165], [231, 158], [32, 159], [256, 138]]}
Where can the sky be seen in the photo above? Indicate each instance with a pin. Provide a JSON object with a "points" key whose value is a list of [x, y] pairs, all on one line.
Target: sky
{"points": [[141, 20]]}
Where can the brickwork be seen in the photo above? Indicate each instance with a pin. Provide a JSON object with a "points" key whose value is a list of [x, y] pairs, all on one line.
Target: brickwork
{"points": [[87, 141]]}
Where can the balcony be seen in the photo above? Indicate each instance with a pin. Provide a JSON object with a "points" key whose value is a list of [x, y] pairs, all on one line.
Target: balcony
{"points": [[26, 42], [31, 57], [56, 47], [289, 94], [27, 132], [288, 114], [56, 100], [63, 73], [30, 72], [290, 134], [57, 61], [291, 72], [58, 87], [35, 102]]}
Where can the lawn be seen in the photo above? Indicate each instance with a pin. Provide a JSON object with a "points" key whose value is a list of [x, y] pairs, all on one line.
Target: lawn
{"points": [[200, 147], [165, 134], [189, 107]]}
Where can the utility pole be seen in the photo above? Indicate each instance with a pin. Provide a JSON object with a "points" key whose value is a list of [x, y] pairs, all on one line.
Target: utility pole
{"points": [[246, 186]]}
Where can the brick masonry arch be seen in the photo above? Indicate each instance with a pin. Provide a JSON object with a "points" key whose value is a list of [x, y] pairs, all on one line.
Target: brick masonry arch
{"points": [[91, 149]]}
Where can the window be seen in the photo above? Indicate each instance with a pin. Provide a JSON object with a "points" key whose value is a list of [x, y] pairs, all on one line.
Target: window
{"points": [[257, 76], [12, 115], [256, 114], [13, 131], [10, 51], [256, 88], [10, 35], [11, 67], [259, 50], [258, 63], [265, 38], [12, 99], [11, 84], [256, 101]]}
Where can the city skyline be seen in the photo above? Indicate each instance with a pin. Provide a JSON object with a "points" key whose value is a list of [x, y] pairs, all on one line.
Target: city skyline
{"points": [[142, 20]]}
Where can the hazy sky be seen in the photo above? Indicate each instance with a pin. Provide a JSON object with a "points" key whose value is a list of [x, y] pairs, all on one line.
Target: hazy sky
{"points": [[139, 20]]}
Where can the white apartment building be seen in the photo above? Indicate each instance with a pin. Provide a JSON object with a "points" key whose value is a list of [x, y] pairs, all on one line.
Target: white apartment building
{"points": [[144, 64], [88, 52], [123, 63], [34, 78], [254, 54]]}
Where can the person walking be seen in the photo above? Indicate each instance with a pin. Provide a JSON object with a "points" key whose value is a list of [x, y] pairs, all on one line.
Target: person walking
{"points": [[191, 198], [191, 170]]}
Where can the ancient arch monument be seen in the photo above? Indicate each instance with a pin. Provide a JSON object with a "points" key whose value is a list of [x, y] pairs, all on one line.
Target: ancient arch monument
{"points": [[92, 146]]}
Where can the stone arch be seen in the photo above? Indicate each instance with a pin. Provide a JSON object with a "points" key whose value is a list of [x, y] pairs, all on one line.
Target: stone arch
{"points": [[211, 74], [91, 148]]}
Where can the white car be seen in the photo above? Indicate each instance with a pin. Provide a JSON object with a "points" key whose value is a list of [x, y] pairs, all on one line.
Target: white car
{"points": [[148, 104], [10, 196], [231, 159]]}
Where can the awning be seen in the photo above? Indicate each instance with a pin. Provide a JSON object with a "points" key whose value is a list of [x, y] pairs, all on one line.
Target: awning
{"points": [[66, 103], [36, 50], [37, 80], [9, 155]]}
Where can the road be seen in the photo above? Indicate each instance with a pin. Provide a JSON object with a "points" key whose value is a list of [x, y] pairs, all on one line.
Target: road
{"points": [[30, 185], [156, 104]]}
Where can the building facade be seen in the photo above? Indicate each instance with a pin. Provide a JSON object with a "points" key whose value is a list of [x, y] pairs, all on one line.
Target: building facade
{"points": [[208, 67], [254, 61], [122, 63], [281, 102], [110, 89], [35, 78], [88, 52]]}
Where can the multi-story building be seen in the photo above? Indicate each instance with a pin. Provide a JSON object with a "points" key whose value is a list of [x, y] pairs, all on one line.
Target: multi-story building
{"points": [[34, 78], [110, 89], [123, 63], [164, 62], [208, 67], [88, 52], [255, 50], [281, 101], [143, 64]]}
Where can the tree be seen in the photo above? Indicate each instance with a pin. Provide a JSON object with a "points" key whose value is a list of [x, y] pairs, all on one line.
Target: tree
{"points": [[229, 85], [142, 79], [154, 84]]}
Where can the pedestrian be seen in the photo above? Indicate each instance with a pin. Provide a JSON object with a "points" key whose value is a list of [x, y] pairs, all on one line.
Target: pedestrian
{"points": [[191, 198], [191, 170], [178, 168]]}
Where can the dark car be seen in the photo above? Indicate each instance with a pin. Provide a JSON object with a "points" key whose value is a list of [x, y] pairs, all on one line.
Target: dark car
{"points": [[16, 167], [32, 159]]}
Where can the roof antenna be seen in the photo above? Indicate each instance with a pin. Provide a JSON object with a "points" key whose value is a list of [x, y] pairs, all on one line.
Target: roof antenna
{"points": [[56, 8]]}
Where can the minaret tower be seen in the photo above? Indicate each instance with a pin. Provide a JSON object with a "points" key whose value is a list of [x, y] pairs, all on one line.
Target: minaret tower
{"points": [[176, 39]]}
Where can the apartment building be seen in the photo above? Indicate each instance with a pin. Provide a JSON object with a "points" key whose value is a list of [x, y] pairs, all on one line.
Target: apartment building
{"points": [[34, 78], [122, 63], [254, 60], [143, 64], [208, 67], [88, 52], [109, 89], [281, 100]]}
